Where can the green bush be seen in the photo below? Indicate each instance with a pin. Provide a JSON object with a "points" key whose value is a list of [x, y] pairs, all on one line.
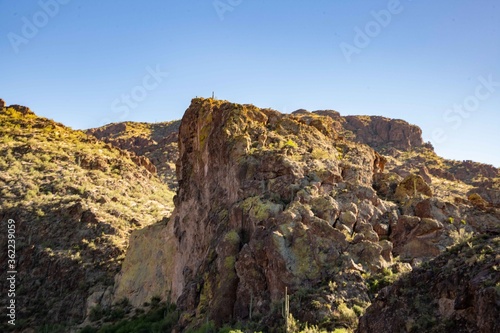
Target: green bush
{"points": [[162, 319], [208, 327], [290, 144], [89, 329], [96, 313]]}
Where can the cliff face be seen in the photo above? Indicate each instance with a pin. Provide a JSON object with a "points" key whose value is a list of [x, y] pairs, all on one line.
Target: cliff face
{"points": [[252, 185], [268, 201]]}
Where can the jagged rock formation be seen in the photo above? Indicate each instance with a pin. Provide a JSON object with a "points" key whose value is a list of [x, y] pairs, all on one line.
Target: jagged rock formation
{"points": [[268, 201], [74, 201]]}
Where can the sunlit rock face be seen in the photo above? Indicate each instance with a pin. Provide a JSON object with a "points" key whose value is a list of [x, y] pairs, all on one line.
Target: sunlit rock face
{"points": [[268, 201]]}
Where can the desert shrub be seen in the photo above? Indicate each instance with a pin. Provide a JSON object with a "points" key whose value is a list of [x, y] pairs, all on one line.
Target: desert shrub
{"points": [[312, 329], [161, 319], [319, 154], [346, 315], [52, 328], [460, 236], [88, 329], [96, 313], [341, 330], [290, 144], [208, 327]]}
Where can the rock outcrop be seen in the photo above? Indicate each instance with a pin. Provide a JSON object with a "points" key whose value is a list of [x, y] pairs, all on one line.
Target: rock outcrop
{"points": [[456, 292], [381, 132], [268, 201], [253, 218]]}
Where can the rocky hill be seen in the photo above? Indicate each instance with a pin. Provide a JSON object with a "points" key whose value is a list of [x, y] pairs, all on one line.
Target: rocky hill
{"points": [[157, 142], [352, 219], [399, 142], [75, 201], [269, 202]]}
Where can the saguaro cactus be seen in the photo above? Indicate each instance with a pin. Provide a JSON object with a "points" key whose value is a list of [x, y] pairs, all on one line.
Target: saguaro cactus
{"points": [[414, 187], [285, 311]]}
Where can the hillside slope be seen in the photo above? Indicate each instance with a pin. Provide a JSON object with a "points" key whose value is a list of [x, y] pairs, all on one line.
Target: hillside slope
{"points": [[74, 201], [457, 292], [157, 142]]}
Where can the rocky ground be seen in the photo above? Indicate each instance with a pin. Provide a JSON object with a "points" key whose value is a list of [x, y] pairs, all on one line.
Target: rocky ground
{"points": [[458, 291]]}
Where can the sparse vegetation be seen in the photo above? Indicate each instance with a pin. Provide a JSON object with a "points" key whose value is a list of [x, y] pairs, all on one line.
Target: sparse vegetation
{"points": [[58, 184], [161, 318], [308, 195]]}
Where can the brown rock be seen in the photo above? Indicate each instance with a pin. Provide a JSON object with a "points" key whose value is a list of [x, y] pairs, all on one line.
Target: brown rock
{"points": [[414, 237], [467, 170], [379, 132], [411, 186], [22, 109], [89, 216], [440, 173], [145, 163], [386, 183], [251, 219], [424, 173], [476, 200]]}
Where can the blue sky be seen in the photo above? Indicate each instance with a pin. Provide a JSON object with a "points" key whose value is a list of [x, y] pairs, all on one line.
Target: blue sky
{"points": [[435, 64]]}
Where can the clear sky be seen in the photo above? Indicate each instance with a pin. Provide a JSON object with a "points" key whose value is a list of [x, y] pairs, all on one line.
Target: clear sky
{"points": [[435, 64]]}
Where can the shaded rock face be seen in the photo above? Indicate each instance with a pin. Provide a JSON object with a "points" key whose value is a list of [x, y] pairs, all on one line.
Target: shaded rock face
{"points": [[456, 292], [382, 132]]}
